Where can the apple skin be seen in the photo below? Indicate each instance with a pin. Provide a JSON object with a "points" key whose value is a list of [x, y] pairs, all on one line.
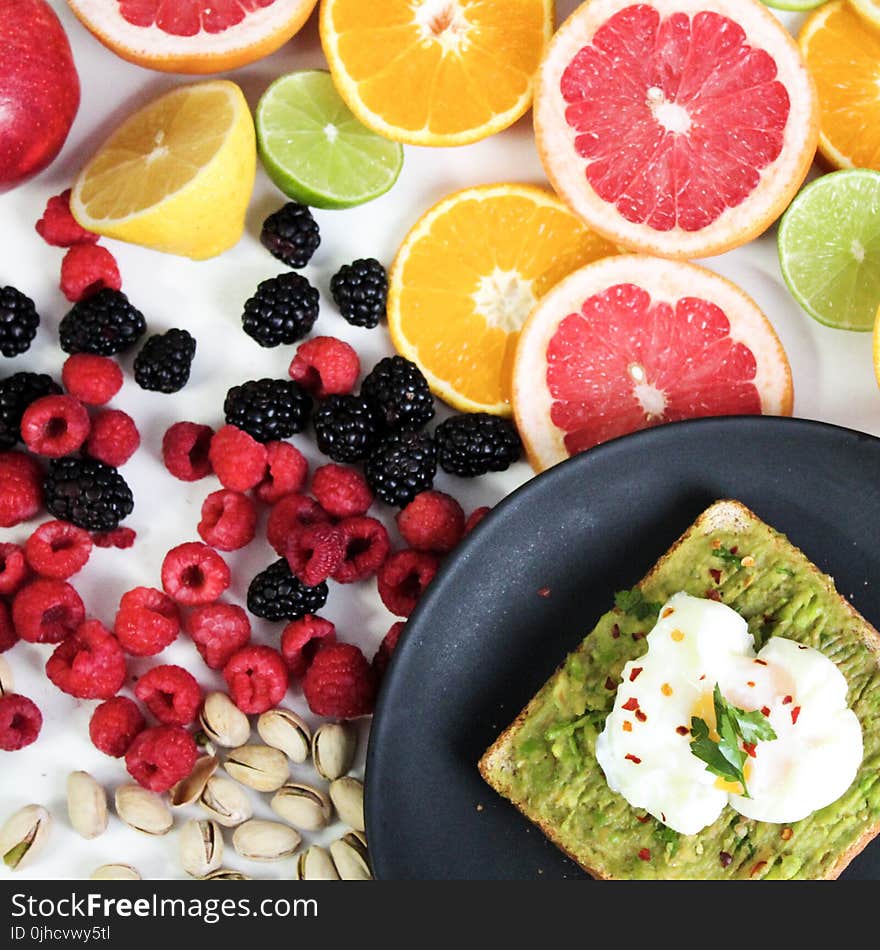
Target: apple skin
{"points": [[39, 89]]}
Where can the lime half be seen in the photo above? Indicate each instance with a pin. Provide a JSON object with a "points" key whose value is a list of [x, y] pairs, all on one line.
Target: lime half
{"points": [[314, 148], [829, 249]]}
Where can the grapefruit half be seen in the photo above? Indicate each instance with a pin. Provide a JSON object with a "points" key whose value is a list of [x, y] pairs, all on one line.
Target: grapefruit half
{"points": [[631, 342], [676, 127], [193, 36]]}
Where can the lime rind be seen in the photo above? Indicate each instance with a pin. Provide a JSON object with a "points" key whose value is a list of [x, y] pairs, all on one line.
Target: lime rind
{"points": [[829, 249], [316, 150], [797, 6]]}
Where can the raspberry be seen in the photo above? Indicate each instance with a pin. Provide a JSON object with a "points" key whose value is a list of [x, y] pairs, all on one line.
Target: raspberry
{"points": [[315, 553], [194, 574], [239, 461], [58, 226], [342, 492], [8, 636], [229, 520], [122, 538], [93, 380], [114, 437], [185, 450], [475, 517], [289, 516], [257, 678], [218, 631], [161, 756], [47, 611], [288, 471], [433, 521], [147, 621], [21, 488], [58, 549], [386, 648], [171, 694], [366, 549], [86, 269], [325, 366], [340, 682], [88, 665], [403, 578], [20, 722], [13, 568], [114, 725], [301, 639], [55, 426]]}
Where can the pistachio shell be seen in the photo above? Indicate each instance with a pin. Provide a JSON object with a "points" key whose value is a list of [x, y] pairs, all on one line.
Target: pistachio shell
{"points": [[226, 801], [351, 858], [302, 806], [225, 874], [223, 722], [86, 805], [258, 766], [143, 810], [315, 864], [115, 872], [7, 680], [189, 789], [334, 745], [201, 847], [262, 840], [284, 730], [347, 795], [24, 835]]}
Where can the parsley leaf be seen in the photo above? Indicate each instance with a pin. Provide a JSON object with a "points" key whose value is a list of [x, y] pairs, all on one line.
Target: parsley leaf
{"points": [[727, 555], [754, 726], [633, 602]]}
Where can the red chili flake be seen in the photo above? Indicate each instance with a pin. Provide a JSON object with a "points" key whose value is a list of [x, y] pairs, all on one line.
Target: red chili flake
{"points": [[544, 592], [713, 594], [716, 544], [682, 730], [703, 677], [645, 854], [725, 858], [794, 714], [734, 549], [800, 647], [786, 834], [639, 635], [668, 612], [631, 704], [786, 701], [663, 817], [756, 870], [642, 818], [716, 574], [633, 673], [761, 662], [633, 758], [765, 710], [610, 684], [751, 683], [641, 716], [627, 726], [750, 749], [615, 632]]}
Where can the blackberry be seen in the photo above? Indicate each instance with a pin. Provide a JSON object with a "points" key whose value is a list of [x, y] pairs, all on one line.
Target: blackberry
{"points": [[402, 465], [283, 310], [276, 594], [400, 390], [164, 362], [87, 493], [18, 322], [291, 234], [476, 443], [17, 392], [361, 291], [347, 428], [268, 409], [104, 324]]}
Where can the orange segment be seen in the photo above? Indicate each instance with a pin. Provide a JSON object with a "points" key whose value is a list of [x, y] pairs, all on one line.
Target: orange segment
{"points": [[436, 72], [466, 278], [842, 52]]}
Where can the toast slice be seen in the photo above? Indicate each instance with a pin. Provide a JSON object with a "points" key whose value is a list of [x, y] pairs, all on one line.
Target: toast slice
{"points": [[545, 763]]}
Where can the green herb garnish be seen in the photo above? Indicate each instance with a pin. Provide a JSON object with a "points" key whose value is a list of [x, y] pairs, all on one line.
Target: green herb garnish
{"points": [[633, 602], [725, 758], [669, 838], [725, 554]]}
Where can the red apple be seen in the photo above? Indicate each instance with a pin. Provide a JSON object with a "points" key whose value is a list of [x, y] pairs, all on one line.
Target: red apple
{"points": [[39, 89]]}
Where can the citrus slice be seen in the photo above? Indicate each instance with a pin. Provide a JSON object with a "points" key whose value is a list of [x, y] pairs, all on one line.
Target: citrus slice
{"points": [[314, 148], [193, 36], [176, 176], [877, 346], [843, 54], [632, 342], [466, 278], [869, 10], [676, 128], [436, 72], [829, 249]]}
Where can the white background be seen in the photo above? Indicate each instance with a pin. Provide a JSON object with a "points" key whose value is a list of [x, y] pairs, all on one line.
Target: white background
{"points": [[832, 372]]}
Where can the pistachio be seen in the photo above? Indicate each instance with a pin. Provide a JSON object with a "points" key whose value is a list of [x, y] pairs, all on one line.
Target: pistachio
{"points": [[303, 806], [225, 874], [347, 795], [24, 835], [284, 730], [226, 801], [7, 680], [189, 789], [201, 847], [315, 864], [258, 766], [351, 858], [86, 805], [115, 872], [223, 722], [143, 810], [333, 749], [265, 840]]}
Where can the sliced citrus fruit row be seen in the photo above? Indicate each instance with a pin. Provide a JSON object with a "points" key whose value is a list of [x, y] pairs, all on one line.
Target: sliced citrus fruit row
{"points": [[176, 176], [314, 148], [843, 53], [631, 342], [829, 248], [466, 278], [193, 36], [436, 72], [676, 128]]}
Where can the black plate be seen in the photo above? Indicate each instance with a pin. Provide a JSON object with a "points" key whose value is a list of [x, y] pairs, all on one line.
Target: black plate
{"points": [[484, 640]]}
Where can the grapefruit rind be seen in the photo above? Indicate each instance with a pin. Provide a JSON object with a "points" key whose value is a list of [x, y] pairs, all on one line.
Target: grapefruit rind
{"points": [[736, 226], [664, 281]]}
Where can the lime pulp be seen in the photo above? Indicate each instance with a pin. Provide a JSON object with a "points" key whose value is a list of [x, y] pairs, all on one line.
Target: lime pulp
{"points": [[315, 149]]}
